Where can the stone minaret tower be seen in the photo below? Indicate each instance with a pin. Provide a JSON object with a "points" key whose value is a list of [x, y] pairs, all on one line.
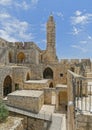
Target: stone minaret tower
{"points": [[51, 48]]}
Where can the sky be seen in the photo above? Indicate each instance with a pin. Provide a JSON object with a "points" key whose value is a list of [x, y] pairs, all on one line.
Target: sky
{"points": [[25, 20]]}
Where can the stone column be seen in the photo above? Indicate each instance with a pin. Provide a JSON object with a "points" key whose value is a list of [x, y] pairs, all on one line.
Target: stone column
{"points": [[57, 101], [70, 112]]}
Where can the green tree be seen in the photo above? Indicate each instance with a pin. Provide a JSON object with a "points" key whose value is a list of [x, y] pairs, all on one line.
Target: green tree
{"points": [[3, 112]]}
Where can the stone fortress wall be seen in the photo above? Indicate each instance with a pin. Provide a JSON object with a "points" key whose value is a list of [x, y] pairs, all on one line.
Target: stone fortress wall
{"points": [[21, 63]]}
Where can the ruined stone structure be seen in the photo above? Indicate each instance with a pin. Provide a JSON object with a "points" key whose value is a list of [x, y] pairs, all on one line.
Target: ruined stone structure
{"points": [[26, 68]]}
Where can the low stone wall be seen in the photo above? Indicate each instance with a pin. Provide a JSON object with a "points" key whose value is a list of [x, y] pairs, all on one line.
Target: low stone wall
{"points": [[12, 123], [37, 84], [35, 124], [29, 122], [84, 122], [26, 99]]}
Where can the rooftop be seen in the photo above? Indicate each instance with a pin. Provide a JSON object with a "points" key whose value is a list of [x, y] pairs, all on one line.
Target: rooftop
{"points": [[27, 93], [37, 81]]}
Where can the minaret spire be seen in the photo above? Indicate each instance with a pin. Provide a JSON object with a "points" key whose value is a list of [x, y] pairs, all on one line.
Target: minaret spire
{"points": [[51, 38]]}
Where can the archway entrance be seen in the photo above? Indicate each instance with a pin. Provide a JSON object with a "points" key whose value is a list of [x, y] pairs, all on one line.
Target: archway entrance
{"points": [[51, 85], [62, 98], [7, 86], [48, 73], [20, 57]]}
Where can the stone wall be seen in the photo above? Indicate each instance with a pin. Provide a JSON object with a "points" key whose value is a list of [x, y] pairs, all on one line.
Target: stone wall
{"points": [[37, 84], [47, 96], [29, 122], [84, 122], [5, 71], [12, 123], [20, 74], [35, 124]]}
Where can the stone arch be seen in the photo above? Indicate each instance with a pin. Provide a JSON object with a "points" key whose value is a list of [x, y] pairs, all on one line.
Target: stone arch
{"points": [[51, 85], [48, 73], [28, 76], [10, 57], [20, 57], [7, 85]]}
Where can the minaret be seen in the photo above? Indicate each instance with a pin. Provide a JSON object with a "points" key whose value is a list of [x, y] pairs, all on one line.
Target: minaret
{"points": [[51, 43]]}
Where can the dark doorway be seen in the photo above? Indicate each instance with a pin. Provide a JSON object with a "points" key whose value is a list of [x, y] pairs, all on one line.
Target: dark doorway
{"points": [[7, 88], [48, 73], [28, 76], [72, 69], [51, 85], [10, 57]]}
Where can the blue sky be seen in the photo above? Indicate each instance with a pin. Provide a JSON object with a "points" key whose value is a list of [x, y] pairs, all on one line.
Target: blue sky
{"points": [[25, 20]]}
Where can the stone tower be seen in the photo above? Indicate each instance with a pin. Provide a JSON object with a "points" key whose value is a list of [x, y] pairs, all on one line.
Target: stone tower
{"points": [[51, 44]]}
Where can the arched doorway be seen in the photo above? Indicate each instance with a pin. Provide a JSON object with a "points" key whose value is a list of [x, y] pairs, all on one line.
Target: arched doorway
{"points": [[51, 85], [48, 73], [20, 57], [62, 98], [7, 86], [28, 76]]}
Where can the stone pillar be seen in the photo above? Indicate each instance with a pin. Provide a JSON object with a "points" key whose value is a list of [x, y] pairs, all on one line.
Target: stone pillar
{"points": [[70, 112], [57, 101]]}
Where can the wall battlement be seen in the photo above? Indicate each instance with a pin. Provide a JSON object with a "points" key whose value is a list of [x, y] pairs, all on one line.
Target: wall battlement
{"points": [[75, 61]]}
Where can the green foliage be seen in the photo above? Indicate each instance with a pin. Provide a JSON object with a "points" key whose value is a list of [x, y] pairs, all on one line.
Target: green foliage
{"points": [[3, 112]]}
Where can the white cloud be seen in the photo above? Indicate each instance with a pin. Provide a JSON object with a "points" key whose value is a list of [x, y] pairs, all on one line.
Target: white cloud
{"points": [[23, 5], [83, 42], [76, 31], [5, 2], [4, 15], [78, 13], [19, 4], [34, 2], [5, 35], [89, 37], [81, 18], [59, 14], [84, 46], [14, 29], [80, 48]]}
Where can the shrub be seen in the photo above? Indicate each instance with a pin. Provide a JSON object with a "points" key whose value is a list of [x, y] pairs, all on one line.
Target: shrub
{"points": [[3, 112]]}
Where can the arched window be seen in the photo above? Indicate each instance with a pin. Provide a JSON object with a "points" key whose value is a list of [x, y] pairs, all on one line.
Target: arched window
{"points": [[10, 57], [48, 73], [20, 57], [7, 86]]}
